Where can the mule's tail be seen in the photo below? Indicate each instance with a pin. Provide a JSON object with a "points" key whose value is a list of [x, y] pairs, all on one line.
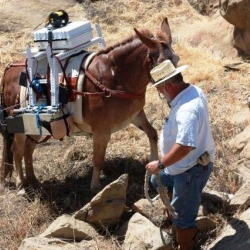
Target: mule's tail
{"points": [[7, 157], [6, 167]]}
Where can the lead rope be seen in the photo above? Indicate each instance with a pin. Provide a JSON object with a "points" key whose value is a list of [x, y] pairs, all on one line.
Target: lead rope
{"points": [[162, 191]]}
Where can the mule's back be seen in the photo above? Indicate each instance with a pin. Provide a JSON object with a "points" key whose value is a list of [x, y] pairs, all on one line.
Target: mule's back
{"points": [[10, 85]]}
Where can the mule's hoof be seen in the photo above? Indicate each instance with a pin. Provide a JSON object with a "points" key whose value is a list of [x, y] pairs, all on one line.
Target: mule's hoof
{"points": [[33, 183]]}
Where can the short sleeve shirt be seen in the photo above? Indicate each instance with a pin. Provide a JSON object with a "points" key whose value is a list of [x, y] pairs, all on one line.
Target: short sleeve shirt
{"points": [[188, 125]]}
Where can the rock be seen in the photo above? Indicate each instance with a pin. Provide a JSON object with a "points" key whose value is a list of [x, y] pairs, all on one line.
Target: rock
{"points": [[203, 210], [106, 208], [149, 210], [241, 143], [204, 223], [235, 235], [243, 170], [215, 197], [237, 13], [205, 7], [142, 234], [154, 212], [241, 118], [67, 227], [241, 197], [40, 243]]}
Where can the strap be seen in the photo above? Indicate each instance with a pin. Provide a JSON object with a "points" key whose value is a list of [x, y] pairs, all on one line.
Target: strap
{"points": [[111, 93], [65, 121], [64, 75], [46, 138], [63, 68], [38, 119]]}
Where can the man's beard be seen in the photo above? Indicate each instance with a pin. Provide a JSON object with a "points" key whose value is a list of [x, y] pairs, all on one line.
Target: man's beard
{"points": [[165, 97]]}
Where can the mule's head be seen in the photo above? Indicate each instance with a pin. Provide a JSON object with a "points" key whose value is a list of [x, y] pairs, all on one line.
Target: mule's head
{"points": [[159, 45]]}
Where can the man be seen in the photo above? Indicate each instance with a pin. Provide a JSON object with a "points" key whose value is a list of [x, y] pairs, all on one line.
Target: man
{"points": [[187, 149]]}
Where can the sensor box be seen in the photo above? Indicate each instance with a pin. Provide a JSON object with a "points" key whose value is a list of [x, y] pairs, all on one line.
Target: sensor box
{"points": [[66, 37]]}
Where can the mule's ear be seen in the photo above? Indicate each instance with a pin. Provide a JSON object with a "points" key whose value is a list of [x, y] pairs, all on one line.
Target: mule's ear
{"points": [[166, 29], [147, 41]]}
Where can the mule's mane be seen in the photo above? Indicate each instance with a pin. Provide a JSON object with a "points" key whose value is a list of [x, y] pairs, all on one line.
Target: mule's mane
{"points": [[123, 48], [126, 45]]}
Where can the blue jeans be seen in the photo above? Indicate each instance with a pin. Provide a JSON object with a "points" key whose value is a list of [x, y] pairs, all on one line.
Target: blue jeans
{"points": [[186, 188]]}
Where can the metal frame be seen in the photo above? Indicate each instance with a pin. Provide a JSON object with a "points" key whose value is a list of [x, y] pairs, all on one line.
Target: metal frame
{"points": [[53, 63]]}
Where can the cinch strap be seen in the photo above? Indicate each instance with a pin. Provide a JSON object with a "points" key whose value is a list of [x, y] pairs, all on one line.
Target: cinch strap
{"points": [[38, 118]]}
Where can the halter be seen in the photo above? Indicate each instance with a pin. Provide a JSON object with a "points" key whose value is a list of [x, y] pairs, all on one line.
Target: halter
{"points": [[149, 60]]}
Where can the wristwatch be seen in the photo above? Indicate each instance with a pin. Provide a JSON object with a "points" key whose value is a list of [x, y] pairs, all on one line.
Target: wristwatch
{"points": [[160, 165]]}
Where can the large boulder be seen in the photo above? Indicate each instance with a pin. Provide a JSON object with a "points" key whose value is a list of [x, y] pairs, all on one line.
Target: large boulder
{"points": [[142, 234], [235, 235], [237, 12], [67, 227], [205, 7], [106, 208]]}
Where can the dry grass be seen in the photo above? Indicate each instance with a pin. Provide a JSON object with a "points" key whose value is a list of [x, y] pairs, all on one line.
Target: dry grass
{"points": [[64, 168], [21, 218]]}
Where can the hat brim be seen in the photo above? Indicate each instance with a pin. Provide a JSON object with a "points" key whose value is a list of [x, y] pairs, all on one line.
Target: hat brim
{"points": [[177, 71]]}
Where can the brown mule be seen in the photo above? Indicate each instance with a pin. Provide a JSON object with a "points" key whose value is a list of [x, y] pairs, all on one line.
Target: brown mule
{"points": [[123, 67]]}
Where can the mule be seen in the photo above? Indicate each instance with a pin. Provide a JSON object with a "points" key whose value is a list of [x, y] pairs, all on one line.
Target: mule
{"points": [[123, 72], [16, 146]]}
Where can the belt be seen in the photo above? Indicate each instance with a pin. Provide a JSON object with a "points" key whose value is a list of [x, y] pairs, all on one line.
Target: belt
{"points": [[205, 167]]}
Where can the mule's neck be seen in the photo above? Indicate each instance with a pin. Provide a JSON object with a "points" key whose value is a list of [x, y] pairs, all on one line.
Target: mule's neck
{"points": [[131, 68]]}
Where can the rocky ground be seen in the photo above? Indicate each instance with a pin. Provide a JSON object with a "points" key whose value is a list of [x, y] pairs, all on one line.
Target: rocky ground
{"points": [[64, 167]]}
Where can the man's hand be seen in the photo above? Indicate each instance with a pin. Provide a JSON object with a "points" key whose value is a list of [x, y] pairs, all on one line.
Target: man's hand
{"points": [[204, 159], [176, 153], [152, 167]]}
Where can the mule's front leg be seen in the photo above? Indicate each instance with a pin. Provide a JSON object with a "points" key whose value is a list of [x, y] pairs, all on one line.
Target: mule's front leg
{"points": [[100, 142], [142, 123], [17, 149], [28, 160]]}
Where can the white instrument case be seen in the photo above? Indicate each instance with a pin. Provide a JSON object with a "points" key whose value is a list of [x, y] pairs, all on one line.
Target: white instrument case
{"points": [[67, 37]]}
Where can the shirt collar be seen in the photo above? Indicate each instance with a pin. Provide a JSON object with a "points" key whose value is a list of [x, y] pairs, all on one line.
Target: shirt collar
{"points": [[179, 96]]}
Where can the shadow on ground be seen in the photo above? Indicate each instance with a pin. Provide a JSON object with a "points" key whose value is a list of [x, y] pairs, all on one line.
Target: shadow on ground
{"points": [[73, 192]]}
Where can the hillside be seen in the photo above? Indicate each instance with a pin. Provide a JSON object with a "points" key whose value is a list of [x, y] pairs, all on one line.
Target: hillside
{"points": [[64, 167]]}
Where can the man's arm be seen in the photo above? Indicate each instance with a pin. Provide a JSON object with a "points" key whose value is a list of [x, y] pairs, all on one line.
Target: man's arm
{"points": [[177, 152]]}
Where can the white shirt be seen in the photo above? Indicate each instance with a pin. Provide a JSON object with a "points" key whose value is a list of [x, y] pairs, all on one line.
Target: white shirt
{"points": [[188, 125]]}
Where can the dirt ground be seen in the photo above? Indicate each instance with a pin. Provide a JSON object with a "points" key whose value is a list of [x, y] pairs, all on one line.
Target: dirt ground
{"points": [[64, 167]]}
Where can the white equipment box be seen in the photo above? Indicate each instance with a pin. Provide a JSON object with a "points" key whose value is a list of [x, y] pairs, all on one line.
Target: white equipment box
{"points": [[67, 41], [67, 37]]}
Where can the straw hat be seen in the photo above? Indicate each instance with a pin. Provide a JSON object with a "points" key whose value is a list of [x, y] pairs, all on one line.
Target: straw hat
{"points": [[164, 71]]}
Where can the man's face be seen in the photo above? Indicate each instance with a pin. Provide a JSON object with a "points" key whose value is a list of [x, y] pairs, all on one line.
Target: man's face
{"points": [[163, 89]]}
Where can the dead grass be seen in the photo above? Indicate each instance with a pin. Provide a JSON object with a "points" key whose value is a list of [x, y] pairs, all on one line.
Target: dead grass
{"points": [[21, 218], [64, 168]]}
